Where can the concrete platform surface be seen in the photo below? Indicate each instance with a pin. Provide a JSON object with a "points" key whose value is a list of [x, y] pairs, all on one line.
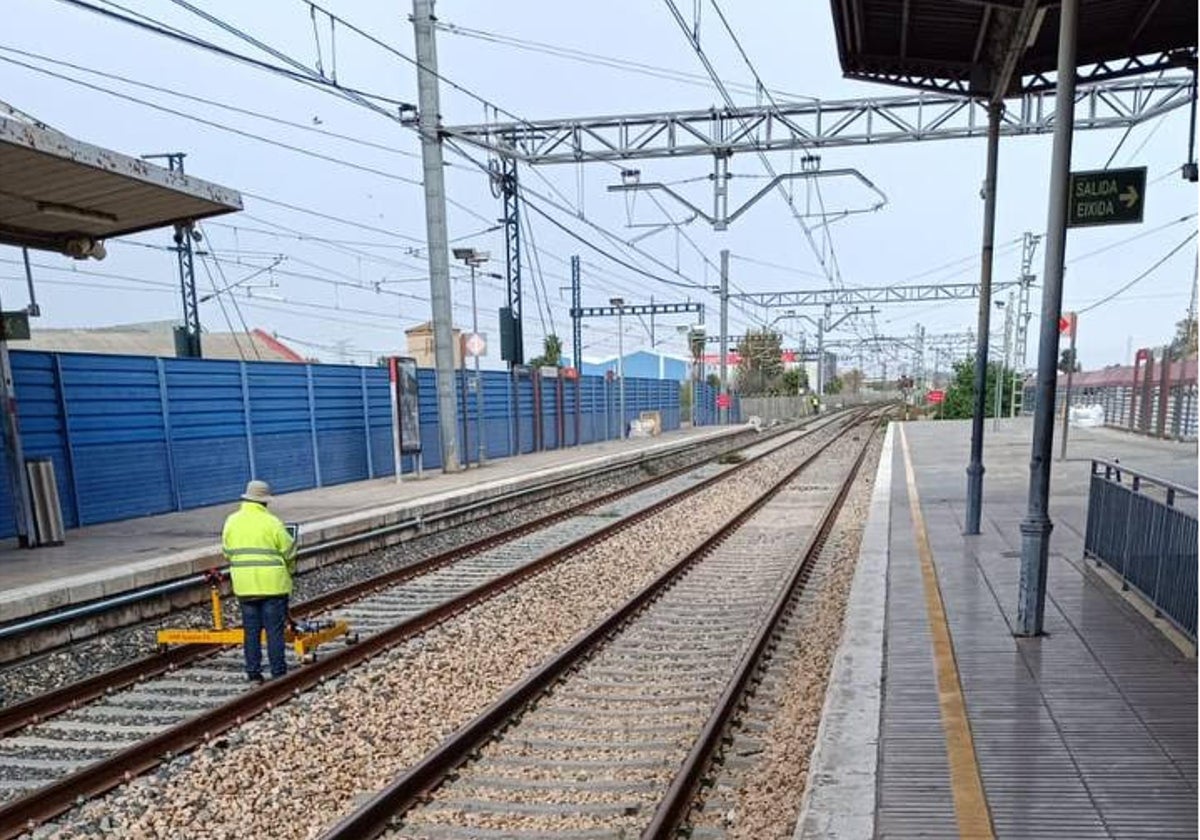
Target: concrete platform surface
{"points": [[115, 557], [1087, 732]]}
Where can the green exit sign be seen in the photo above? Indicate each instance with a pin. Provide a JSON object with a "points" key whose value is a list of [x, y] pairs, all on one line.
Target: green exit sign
{"points": [[14, 326], [1107, 197]]}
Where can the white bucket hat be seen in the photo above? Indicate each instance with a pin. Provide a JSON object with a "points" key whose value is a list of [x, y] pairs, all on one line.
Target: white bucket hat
{"points": [[257, 491]]}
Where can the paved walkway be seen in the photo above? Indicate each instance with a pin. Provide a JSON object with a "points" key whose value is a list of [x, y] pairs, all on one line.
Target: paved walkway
{"points": [[117, 556], [1087, 732]]}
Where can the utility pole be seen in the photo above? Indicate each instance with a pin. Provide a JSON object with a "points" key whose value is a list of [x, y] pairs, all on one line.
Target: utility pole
{"points": [[975, 467], [187, 339], [435, 229], [723, 394], [1036, 526]]}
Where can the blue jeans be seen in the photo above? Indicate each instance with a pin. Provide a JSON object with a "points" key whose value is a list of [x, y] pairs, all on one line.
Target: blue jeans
{"points": [[269, 614]]}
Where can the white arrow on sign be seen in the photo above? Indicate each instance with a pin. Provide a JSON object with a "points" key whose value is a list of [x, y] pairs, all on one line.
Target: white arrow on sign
{"points": [[1130, 196]]}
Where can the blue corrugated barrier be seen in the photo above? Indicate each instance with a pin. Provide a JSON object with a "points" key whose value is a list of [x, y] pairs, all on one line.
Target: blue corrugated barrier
{"points": [[135, 436]]}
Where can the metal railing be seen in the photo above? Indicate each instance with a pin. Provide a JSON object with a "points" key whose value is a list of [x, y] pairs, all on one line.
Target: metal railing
{"points": [[1136, 528]]}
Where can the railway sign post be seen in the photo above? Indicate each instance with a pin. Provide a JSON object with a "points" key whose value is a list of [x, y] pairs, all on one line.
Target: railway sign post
{"points": [[1107, 197]]}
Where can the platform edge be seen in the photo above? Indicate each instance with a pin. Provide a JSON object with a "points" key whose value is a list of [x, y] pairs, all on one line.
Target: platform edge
{"points": [[840, 794]]}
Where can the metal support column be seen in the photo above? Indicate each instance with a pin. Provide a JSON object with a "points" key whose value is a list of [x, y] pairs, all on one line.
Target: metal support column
{"points": [[975, 467], [435, 227], [576, 317], [512, 254], [1036, 527], [15, 454], [723, 393]]}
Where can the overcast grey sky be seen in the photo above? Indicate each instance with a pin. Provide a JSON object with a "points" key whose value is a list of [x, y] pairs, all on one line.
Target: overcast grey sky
{"points": [[351, 297]]}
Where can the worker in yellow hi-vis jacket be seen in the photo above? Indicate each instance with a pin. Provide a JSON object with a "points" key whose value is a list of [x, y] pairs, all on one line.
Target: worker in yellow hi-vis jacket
{"points": [[262, 558]]}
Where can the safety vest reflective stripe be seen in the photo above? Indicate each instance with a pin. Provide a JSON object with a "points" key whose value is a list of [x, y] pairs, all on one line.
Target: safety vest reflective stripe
{"points": [[234, 552], [244, 564]]}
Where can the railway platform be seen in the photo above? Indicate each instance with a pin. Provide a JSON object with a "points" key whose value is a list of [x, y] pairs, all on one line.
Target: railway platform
{"points": [[940, 723], [116, 557]]}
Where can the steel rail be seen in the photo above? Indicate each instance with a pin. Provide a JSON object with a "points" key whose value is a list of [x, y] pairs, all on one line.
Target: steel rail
{"points": [[377, 814], [38, 709], [678, 801], [24, 814], [100, 606]]}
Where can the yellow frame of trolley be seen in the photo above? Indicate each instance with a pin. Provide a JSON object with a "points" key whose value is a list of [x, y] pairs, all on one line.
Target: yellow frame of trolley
{"points": [[219, 634]]}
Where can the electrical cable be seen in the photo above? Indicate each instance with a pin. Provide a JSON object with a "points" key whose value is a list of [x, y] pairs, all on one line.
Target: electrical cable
{"points": [[229, 323], [219, 126], [233, 298], [1140, 277], [596, 59], [211, 102], [150, 25]]}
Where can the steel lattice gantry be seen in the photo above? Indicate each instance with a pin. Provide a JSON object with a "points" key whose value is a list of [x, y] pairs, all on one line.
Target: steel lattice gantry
{"points": [[855, 296], [817, 124]]}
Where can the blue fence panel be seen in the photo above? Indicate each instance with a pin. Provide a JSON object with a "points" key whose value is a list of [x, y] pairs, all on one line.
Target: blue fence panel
{"points": [[379, 401], [341, 436], [135, 436], [43, 429], [116, 427], [208, 446], [280, 426]]}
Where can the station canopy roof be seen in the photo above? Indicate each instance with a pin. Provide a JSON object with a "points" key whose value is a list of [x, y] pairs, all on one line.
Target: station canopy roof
{"points": [[998, 48], [60, 194]]}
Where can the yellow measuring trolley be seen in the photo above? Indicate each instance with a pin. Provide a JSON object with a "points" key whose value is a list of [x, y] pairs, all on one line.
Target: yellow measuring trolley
{"points": [[304, 636]]}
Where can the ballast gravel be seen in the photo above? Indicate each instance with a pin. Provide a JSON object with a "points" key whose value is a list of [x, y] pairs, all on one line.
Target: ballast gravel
{"points": [[759, 798], [63, 666], [292, 772]]}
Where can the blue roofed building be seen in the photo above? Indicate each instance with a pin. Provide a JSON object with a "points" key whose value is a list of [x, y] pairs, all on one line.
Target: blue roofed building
{"points": [[642, 364]]}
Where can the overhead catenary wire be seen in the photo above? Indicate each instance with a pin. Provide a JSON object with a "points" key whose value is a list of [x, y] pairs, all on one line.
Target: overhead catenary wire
{"points": [[160, 29], [190, 97], [1140, 277], [146, 23]]}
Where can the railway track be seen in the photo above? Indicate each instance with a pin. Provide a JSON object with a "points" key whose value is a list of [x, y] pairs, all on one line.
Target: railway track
{"points": [[612, 737], [46, 631], [63, 747]]}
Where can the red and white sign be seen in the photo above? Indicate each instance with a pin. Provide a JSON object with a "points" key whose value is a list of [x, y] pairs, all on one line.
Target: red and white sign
{"points": [[1066, 324], [724, 401], [474, 344], [935, 397]]}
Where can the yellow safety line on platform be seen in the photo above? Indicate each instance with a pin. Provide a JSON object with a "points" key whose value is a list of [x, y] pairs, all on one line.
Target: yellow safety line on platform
{"points": [[970, 802]]}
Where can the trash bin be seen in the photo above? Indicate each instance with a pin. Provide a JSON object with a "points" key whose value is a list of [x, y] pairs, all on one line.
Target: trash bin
{"points": [[43, 495]]}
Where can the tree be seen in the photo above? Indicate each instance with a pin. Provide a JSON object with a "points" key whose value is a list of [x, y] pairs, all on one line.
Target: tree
{"points": [[1068, 361], [1184, 344], [551, 353], [794, 381], [760, 368], [834, 386], [960, 394]]}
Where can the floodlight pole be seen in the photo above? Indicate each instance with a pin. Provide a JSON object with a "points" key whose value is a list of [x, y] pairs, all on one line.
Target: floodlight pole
{"points": [[435, 228], [975, 467], [1036, 527]]}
